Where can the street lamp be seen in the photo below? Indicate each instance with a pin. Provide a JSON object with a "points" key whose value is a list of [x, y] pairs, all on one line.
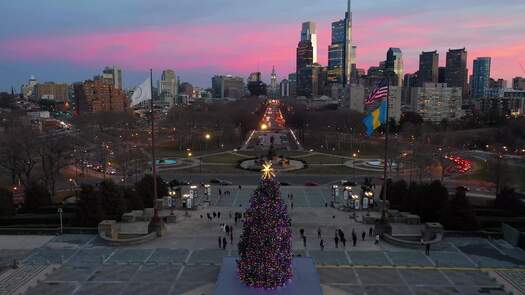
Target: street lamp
{"points": [[60, 211], [207, 138], [354, 155]]}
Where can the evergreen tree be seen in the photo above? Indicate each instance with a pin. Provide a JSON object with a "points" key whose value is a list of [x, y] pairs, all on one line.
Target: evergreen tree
{"points": [[265, 247]]}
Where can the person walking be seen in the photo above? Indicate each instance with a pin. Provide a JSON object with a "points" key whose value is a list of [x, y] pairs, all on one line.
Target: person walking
{"points": [[291, 205], [363, 235], [377, 239], [354, 239], [343, 241], [304, 241], [427, 248], [227, 229], [231, 236], [219, 215], [224, 243], [321, 244], [370, 232], [301, 231], [318, 232], [214, 214], [220, 242], [336, 240]]}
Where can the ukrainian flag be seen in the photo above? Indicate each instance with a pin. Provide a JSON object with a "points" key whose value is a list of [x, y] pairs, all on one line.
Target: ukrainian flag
{"points": [[376, 118]]}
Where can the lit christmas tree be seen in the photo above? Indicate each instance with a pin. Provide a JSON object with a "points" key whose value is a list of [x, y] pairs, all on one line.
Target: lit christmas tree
{"points": [[265, 247]]}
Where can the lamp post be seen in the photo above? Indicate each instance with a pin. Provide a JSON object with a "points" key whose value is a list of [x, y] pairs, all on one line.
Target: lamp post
{"points": [[60, 211], [354, 155], [207, 138]]}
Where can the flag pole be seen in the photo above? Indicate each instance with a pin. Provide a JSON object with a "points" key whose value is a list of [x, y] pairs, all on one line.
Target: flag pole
{"points": [[153, 158], [384, 214]]}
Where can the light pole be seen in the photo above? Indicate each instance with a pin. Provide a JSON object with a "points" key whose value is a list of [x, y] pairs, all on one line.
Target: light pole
{"points": [[207, 138], [354, 155], [60, 211]]}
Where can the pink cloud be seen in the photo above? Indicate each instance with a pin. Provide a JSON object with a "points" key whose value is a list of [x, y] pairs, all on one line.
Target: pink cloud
{"points": [[228, 48]]}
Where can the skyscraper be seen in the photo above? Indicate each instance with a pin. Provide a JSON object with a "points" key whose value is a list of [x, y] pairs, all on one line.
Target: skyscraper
{"points": [[394, 65], [457, 74], [480, 76], [341, 53], [348, 44], [428, 67], [518, 83], [168, 88], [336, 54], [113, 74], [309, 33], [273, 83], [305, 61]]}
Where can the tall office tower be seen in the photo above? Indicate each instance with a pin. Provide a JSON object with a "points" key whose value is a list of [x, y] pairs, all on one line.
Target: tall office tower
{"points": [[168, 88], [348, 44], [305, 61], [284, 88], [518, 83], [273, 83], [336, 54], [112, 74], [341, 53], [292, 80], [28, 88], [457, 73], [309, 33], [394, 65], [480, 77], [428, 67]]}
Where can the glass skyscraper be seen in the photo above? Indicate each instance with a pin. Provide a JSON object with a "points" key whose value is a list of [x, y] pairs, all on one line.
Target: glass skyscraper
{"points": [[480, 76]]}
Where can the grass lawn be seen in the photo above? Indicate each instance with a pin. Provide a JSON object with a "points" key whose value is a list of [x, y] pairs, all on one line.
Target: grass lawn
{"points": [[223, 158], [324, 170], [170, 152], [215, 169], [513, 176], [291, 154], [322, 159]]}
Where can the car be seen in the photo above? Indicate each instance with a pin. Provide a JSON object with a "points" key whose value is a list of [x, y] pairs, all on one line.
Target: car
{"points": [[220, 181], [284, 183], [311, 183]]}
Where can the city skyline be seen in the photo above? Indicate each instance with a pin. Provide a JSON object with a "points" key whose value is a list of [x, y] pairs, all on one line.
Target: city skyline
{"points": [[135, 36]]}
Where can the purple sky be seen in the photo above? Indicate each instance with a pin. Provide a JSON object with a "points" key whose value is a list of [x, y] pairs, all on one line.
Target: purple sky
{"points": [[65, 40]]}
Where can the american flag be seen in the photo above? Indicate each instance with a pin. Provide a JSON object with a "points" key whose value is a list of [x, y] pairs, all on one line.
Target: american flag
{"points": [[380, 92]]}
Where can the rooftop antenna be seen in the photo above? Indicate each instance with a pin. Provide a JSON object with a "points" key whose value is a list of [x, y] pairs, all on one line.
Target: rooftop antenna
{"points": [[522, 68]]}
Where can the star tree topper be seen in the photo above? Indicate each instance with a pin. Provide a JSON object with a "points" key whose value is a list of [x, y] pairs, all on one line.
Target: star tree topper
{"points": [[267, 171]]}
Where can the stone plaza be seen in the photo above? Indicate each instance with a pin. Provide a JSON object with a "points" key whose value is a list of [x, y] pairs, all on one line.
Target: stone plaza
{"points": [[187, 259]]}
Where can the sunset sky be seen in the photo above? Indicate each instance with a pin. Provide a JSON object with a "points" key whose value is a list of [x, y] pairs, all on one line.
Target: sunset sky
{"points": [[72, 40]]}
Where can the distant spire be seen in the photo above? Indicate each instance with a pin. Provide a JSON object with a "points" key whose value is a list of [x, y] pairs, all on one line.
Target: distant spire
{"points": [[12, 91], [273, 70], [349, 6]]}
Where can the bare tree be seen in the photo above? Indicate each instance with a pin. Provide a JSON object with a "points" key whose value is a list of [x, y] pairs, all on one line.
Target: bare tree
{"points": [[18, 153], [54, 155]]}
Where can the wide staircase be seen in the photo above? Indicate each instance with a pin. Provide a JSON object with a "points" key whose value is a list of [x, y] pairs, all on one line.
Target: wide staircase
{"points": [[17, 281]]}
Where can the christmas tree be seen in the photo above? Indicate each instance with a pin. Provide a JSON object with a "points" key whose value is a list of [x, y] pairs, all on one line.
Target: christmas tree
{"points": [[265, 247]]}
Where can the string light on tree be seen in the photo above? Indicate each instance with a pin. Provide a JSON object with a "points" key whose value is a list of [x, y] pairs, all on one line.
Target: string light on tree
{"points": [[265, 247]]}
